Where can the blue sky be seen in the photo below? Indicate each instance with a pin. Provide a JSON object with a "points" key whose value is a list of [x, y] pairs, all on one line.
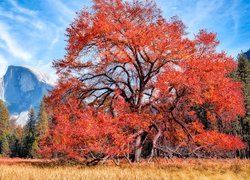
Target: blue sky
{"points": [[32, 31]]}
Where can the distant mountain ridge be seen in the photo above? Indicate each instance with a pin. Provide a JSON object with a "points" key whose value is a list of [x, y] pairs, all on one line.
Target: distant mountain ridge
{"points": [[248, 54], [22, 87]]}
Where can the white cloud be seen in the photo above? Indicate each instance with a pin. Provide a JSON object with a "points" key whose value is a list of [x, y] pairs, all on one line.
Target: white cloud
{"points": [[3, 66], [23, 18], [6, 14], [52, 73], [11, 44], [235, 16], [47, 68], [38, 24], [221, 16], [63, 9], [21, 9]]}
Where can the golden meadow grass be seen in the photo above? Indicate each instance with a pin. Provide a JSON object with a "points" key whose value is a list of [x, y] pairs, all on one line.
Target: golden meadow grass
{"points": [[171, 169]]}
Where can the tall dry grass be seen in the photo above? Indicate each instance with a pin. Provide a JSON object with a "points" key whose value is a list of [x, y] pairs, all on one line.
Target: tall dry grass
{"points": [[171, 169]]}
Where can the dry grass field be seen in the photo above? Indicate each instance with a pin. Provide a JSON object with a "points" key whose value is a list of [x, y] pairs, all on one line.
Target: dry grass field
{"points": [[18, 169]]}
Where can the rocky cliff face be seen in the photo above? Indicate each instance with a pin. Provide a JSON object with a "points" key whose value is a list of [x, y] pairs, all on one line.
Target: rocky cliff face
{"points": [[248, 54], [23, 87]]}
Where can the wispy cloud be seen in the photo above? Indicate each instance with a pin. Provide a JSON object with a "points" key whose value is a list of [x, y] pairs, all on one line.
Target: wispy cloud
{"points": [[11, 45], [225, 17], [47, 68], [26, 17], [203, 11], [63, 9], [235, 16], [22, 10], [3, 65]]}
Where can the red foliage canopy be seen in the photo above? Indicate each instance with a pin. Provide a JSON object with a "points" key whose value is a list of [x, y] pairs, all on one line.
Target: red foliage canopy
{"points": [[130, 76]]}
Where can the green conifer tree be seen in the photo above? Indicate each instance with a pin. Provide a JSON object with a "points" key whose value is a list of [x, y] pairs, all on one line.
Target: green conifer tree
{"points": [[4, 129], [4, 118], [15, 139], [243, 68], [43, 123], [30, 135], [242, 126], [5, 150], [34, 149]]}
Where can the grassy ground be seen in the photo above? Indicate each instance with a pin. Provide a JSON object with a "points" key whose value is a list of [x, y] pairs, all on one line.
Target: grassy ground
{"points": [[171, 169]]}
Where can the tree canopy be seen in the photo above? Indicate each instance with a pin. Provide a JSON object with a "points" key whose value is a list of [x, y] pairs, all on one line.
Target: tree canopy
{"points": [[133, 83]]}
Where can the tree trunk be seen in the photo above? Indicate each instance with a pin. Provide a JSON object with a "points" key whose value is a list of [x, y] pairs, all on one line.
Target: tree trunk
{"points": [[55, 155], [138, 148], [156, 137]]}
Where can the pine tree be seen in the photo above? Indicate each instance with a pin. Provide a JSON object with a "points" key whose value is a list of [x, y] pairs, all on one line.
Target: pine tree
{"points": [[15, 139], [31, 124], [246, 120], [30, 135], [4, 129], [5, 149], [43, 123], [242, 126], [243, 68], [34, 149], [4, 118]]}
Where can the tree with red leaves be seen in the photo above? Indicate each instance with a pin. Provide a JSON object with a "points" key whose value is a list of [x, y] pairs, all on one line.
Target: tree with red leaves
{"points": [[132, 84]]}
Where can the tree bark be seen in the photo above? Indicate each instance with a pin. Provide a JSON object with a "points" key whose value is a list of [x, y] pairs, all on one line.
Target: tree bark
{"points": [[138, 148], [156, 137]]}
